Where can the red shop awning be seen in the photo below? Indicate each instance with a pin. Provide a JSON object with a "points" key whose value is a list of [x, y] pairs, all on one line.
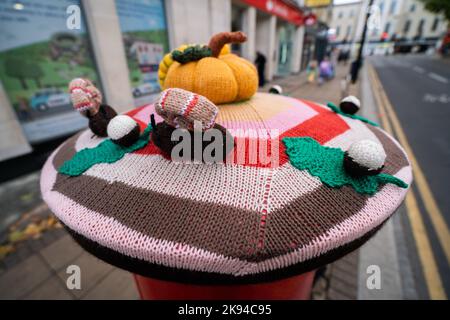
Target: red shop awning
{"points": [[279, 8]]}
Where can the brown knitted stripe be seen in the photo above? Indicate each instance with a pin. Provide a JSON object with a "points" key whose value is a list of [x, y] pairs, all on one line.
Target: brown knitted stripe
{"points": [[225, 229], [66, 151], [395, 157], [307, 218], [218, 228]]}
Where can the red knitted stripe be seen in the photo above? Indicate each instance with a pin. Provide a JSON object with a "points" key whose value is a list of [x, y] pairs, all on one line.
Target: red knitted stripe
{"points": [[191, 105], [80, 88], [135, 111], [163, 101], [82, 104], [323, 127]]}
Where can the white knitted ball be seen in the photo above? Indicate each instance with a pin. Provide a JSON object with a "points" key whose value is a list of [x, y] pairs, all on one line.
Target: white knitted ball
{"points": [[120, 126], [368, 154], [276, 89], [352, 99]]}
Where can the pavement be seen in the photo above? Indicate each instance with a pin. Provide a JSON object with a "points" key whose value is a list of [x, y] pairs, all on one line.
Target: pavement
{"points": [[35, 264]]}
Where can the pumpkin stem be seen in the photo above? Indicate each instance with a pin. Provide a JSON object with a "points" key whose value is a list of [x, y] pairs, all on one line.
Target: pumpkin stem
{"points": [[219, 40]]}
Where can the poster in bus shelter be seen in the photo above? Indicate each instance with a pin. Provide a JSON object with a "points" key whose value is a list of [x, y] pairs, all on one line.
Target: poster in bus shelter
{"points": [[39, 55], [144, 33]]}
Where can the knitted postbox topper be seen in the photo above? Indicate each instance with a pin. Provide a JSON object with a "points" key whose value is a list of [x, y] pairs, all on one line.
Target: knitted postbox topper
{"points": [[303, 185]]}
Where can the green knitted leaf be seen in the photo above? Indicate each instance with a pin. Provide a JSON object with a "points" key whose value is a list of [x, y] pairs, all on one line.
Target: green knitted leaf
{"points": [[333, 107], [326, 163], [192, 53], [106, 152]]}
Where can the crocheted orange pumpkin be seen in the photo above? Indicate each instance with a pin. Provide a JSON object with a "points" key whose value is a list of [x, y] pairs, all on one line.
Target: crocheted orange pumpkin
{"points": [[211, 71]]}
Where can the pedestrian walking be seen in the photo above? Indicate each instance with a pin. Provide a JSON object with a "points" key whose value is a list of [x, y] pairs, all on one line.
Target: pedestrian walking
{"points": [[260, 62]]}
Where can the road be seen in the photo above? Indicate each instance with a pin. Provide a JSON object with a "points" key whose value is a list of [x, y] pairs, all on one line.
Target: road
{"points": [[418, 88]]}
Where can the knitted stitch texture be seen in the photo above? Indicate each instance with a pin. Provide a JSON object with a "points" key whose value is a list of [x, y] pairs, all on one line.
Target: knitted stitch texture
{"points": [[333, 107], [86, 98], [222, 78], [328, 164], [245, 220], [105, 152], [180, 108]]}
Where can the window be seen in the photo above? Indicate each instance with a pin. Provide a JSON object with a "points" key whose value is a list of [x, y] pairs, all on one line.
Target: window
{"points": [[144, 34], [340, 15], [352, 13], [420, 27], [407, 26], [381, 6], [39, 55], [412, 8], [393, 7], [387, 27], [435, 24], [349, 30], [338, 29]]}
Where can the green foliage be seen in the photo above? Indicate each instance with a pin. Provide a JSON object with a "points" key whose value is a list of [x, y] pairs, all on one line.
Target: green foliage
{"points": [[333, 107], [438, 6], [327, 164], [192, 53], [106, 152]]}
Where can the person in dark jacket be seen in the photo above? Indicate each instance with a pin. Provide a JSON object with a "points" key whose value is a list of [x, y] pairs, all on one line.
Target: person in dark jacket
{"points": [[260, 62]]}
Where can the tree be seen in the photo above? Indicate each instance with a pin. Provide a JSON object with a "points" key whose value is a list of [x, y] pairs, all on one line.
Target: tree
{"points": [[15, 68], [35, 72], [438, 6]]}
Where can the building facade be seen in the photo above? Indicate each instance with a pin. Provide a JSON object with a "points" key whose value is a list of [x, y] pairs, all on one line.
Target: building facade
{"points": [[344, 21], [118, 44]]}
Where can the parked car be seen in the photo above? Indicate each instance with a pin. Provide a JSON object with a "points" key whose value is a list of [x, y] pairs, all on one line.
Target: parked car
{"points": [[49, 98], [145, 89]]}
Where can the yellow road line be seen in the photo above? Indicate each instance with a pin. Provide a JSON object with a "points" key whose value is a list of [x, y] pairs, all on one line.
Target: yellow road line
{"points": [[431, 206], [426, 256]]}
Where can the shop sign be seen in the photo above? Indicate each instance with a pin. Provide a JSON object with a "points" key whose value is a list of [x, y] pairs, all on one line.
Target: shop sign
{"points": [[280, 9], [317, 3]]}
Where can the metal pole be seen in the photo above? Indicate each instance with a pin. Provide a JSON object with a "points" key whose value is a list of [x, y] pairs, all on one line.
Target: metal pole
{"points": [[356, 65]]}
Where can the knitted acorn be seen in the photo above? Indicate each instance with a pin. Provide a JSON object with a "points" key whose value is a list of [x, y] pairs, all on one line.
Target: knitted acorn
{"points": [[87, 99], [181, 109], [350, 105], [123, 130], [276, 89], [211, 71], [364, 157]]}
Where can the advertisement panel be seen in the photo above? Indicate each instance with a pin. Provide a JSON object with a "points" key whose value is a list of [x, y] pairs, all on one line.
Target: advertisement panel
{"points": [[144, 33], [39, 54]]}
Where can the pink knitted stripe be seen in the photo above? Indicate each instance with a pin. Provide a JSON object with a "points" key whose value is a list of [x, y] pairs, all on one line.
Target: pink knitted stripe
{"points": [[283, 121], [172, 254]]}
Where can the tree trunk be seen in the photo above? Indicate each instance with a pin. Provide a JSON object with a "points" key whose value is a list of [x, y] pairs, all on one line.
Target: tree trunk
{"points": [[23, 83]]}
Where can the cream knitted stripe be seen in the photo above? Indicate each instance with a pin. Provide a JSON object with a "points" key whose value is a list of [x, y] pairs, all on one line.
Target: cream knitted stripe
{"points": [[358, 131], [145, 248]]}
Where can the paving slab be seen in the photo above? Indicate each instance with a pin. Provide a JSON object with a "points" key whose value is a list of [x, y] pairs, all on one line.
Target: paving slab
{"points": [[61, 252], [24, 277]]}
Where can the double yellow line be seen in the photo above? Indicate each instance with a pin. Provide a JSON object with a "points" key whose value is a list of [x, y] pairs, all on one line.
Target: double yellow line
{"points": [[426, 255]]}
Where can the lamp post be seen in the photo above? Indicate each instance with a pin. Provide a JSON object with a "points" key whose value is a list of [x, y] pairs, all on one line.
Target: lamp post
{"points": [[356, 65]]}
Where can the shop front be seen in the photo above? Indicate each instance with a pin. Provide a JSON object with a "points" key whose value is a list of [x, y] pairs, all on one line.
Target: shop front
{"points": [[276, 29], [45, 43]]}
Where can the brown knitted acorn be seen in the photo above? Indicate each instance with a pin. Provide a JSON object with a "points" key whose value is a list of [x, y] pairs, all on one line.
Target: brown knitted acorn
{"points": [[87, 99], [181, 109]]}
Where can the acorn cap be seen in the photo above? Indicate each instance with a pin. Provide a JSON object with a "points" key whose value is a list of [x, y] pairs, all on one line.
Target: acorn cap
{"points": [[86, 98], [350, 105], [123, 130], [364, 157]]}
